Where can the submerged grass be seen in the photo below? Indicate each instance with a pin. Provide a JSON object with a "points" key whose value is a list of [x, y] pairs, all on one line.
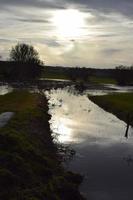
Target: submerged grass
{"points": [[119, 104], [30, 168]]}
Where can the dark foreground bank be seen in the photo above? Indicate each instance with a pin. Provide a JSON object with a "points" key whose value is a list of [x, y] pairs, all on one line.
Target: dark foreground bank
{"points": [[30, 167]]}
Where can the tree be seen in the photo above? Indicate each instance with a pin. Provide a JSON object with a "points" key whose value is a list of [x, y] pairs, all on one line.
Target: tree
{"points": [[25, 53], [124, 75]]}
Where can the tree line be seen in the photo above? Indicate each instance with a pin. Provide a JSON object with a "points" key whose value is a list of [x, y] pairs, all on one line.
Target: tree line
{"points": [[24, 64], [124, 75]]}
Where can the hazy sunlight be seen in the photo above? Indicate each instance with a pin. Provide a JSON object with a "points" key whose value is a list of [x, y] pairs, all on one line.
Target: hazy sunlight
{"points": [[69, 23]]}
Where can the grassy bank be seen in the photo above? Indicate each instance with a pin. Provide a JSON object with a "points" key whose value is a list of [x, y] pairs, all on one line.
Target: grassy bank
{"points": [[30, 168], [119, 104], [102, 80]]}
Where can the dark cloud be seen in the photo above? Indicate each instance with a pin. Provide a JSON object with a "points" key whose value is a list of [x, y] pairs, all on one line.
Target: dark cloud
{"points": [[120, 6], [45, 4], [111, 51], [72, 40], [52, 43], [32, 20], [108, 35]]}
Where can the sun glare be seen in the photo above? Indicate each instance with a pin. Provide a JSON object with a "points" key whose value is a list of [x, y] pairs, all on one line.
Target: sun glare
{"points": [[69, 23]]}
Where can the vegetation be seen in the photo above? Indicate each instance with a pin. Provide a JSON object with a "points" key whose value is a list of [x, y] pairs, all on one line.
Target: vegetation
{"points": [[15, 71], [102, 80], [124, 75], [88, 75], [24, 64], [25, 53], [119, 104], [30, 167]]}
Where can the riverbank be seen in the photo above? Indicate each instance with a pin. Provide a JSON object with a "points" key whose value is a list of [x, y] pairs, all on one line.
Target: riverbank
{"points": [[30, 167], [120, 105]]}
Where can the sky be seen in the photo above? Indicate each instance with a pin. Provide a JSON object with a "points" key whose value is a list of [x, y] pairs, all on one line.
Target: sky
{"points": [[85, 33]]}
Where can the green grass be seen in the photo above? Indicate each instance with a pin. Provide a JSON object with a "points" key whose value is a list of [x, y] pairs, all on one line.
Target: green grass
{"points": [[30, 168], [119, 104], [55, 76], [98, 80]]}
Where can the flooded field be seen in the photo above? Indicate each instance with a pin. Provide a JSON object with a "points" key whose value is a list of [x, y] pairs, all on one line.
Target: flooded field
{"points": [[4, 89], [103, 155]]}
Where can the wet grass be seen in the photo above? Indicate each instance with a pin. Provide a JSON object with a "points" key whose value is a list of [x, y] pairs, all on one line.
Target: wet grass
{"points": [[55, 75], [30, 167], [119, 104], [91, 79], [98, 80]]}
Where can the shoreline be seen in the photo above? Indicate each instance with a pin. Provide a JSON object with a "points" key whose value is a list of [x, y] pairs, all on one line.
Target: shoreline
{"points": [[119, 104], [30, 167]]}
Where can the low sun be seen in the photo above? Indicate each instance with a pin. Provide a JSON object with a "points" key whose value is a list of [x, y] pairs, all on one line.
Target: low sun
{"points": [[69, 23]]}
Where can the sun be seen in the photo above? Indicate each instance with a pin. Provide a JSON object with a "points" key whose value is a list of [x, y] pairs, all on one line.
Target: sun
{"points": [[69, 23]]}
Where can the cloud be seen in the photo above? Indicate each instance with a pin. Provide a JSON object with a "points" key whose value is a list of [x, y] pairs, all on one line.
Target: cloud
{"points": [[44, 4], [111, 51], [124, 7], [108, 31], [32, 20]]}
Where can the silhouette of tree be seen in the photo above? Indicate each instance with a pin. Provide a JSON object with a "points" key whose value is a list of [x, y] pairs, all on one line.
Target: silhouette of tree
{"points": [[124, 75], [25, 53]]}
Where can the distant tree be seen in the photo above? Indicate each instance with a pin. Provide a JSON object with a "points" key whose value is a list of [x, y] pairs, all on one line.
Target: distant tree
{"points": [[124, 75], [25, 53], [79, 74]]}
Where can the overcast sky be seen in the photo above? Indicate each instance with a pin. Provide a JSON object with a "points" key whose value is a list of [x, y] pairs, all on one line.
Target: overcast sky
{"points": [[90, 33]]}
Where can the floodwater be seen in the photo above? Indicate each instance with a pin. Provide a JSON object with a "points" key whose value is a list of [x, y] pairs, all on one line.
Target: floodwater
{"points": [[4, 89], [5, 117], [110, 88], [103, 155]]}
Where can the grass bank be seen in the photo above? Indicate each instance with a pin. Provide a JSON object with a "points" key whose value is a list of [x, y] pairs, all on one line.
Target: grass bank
{"points": [[119, 104], [30, 167], [102, 80]]}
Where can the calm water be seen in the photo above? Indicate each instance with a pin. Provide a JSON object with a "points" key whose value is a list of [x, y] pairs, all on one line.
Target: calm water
{"points": [[103, 155], [4, 89]]}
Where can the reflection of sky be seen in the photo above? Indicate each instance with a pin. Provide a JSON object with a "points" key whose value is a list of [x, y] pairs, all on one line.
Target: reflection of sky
{"points": [[78, 119], [103, 155], [5, 89]]}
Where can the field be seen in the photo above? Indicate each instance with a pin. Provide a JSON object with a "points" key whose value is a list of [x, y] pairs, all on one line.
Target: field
{"points": [[119, 104], [102, 80]]}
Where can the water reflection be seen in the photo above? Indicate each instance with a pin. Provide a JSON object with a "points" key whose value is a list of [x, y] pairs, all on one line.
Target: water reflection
{"points": [[98, 138], [4, 89], [75, 118]]}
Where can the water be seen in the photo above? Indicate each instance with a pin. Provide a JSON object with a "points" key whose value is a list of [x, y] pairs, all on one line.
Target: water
{"points": [[119, 88], [5, 117], [4, 89], [103, 155], [110, 88]]}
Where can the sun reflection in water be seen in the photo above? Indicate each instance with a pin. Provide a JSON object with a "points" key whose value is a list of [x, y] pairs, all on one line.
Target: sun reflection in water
{"points": [[64, 133], [62, 130]]}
